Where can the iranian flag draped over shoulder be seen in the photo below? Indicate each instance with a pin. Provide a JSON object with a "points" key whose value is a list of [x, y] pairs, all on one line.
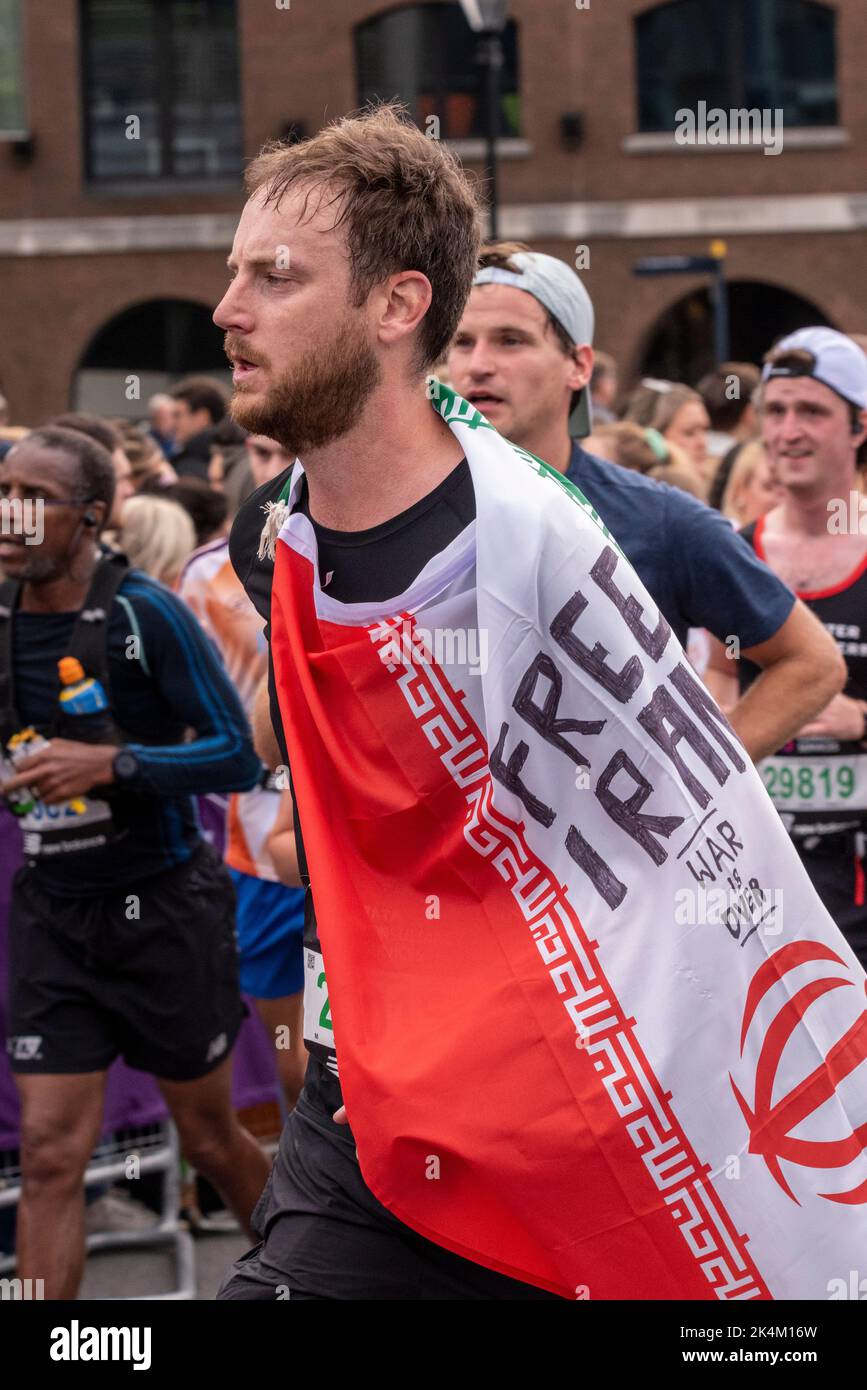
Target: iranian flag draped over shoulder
{"points": [[595, 1029]]}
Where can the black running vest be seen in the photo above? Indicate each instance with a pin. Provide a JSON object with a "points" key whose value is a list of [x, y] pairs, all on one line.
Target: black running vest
{"points": [[819, 785]]}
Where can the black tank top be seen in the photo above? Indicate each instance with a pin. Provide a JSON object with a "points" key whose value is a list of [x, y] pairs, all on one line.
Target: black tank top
{"points": [[367, 566], [819, 785]]}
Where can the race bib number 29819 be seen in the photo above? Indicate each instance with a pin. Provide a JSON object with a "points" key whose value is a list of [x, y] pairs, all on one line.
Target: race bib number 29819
{"points": [[817, 784]]}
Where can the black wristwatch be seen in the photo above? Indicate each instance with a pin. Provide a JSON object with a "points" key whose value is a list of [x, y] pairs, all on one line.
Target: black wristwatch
{"points": [[125, 766]]}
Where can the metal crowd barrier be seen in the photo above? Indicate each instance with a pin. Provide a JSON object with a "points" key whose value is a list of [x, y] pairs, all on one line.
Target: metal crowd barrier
{"points": [[156, 1147]]}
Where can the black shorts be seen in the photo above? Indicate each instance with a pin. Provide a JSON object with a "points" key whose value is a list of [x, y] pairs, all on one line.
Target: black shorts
{"points": [[325, 1236], [838, 874], [148, 972]]}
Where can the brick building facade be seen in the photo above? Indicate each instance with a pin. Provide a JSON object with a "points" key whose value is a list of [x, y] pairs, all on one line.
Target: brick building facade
{"points": [[588, 160]]}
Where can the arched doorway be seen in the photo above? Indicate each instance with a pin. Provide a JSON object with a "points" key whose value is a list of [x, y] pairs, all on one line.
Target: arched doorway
{"points": [[147, 348], [680, 346]]}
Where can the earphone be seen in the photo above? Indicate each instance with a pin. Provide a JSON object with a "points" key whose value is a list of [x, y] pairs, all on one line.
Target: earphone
{"points": [[88, 519]]}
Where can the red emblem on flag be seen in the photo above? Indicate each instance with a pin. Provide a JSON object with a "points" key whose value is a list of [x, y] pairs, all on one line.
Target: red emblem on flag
{"points": [[771, 1124]]}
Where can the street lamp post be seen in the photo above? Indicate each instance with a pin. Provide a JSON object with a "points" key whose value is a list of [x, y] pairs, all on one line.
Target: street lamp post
{"points": [[715, 265], [487, 18]]}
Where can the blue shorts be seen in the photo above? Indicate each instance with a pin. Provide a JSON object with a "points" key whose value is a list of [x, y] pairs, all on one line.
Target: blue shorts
{"points": [[270, 924]]}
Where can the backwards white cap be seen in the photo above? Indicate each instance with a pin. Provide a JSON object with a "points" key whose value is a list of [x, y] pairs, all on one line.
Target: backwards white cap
{"points": [[558, 289], [838, 362]]}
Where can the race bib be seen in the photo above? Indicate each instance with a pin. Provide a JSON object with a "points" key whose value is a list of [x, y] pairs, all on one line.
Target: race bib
{"points": [[69, 828], [317, 1011], [837, 783]]}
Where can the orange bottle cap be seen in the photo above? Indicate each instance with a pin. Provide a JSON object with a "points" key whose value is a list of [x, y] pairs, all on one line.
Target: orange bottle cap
{"points": [[71, 670]]}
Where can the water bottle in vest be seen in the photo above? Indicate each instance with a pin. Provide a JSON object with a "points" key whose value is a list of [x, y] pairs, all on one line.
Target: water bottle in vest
{"points": [[83, 699]]}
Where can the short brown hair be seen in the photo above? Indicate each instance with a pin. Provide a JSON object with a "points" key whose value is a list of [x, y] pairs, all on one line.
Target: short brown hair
{"points": [[404, 199], [500, 255], [202, 393], [724, 410]]}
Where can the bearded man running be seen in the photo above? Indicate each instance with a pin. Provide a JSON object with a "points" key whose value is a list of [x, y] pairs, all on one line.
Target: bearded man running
{"points": [[505, 774]]}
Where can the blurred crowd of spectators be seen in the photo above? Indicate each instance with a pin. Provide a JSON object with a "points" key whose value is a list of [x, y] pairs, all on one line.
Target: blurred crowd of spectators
{"points": [[184, 470]]}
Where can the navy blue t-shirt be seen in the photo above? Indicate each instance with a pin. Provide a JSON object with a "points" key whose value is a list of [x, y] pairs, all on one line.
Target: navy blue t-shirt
{"points": [[169, 681], [691, 561]]}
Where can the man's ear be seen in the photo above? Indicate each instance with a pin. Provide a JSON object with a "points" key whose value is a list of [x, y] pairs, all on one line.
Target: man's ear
{"points": [[406, 298], [580, 368]]}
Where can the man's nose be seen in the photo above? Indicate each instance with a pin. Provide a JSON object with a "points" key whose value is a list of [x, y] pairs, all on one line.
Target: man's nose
{"points": [[231, 314], [479, 362], [791, 425]]}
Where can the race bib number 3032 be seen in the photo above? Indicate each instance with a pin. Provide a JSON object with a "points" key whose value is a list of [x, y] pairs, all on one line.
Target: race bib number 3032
{"points": [[69, 828]]}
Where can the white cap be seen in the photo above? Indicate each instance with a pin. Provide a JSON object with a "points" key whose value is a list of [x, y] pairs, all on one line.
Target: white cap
{"points": [[838, 362], [558, 289]]}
